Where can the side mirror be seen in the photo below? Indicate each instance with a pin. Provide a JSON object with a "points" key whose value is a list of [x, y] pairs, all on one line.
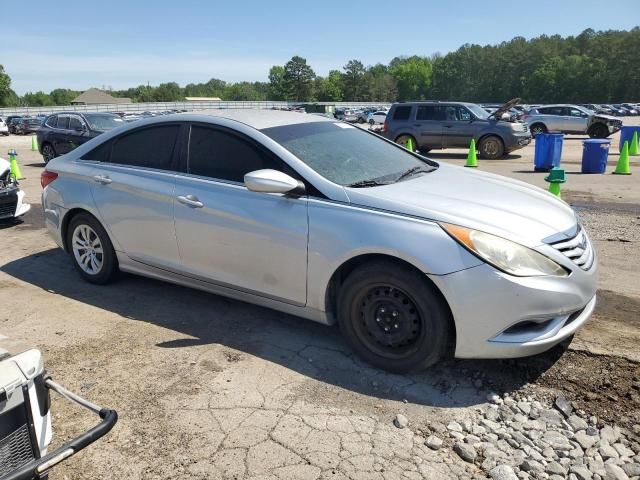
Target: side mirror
{"points": [[273, 181]]}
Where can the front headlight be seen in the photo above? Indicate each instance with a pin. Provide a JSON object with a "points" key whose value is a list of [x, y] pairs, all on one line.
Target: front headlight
{"points": [[505, 255]]}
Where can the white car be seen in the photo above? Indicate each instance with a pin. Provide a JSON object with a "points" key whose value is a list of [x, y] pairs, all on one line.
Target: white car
{"points": [[12, 204], [4, 129], [377, 117]]}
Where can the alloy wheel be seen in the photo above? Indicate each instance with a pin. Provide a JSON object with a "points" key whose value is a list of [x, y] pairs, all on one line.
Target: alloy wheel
{"points": [[87, 249]]}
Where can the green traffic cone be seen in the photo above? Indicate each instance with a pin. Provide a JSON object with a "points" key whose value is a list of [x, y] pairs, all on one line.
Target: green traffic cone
{"points": [[555, 189], [410, 144], [634, 148], [622, 167], [34, 144], [13, 165], [555, 178], [472, 160]]}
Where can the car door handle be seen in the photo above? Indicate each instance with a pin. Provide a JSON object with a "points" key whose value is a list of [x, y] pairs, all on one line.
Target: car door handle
{"points": [[190, 200], [103, 179]]}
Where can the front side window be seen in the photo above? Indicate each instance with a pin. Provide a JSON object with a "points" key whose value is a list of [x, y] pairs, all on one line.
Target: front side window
{"points": [[345, 154], [52, 121], [151, 147], [219, 154]]}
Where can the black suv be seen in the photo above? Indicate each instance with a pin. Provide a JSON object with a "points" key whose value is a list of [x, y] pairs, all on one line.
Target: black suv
{"points": [[26, 125], [436, 125], [62, 132]]}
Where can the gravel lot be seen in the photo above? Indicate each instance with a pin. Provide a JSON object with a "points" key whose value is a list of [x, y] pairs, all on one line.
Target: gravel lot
{"points": [[208, 387]]}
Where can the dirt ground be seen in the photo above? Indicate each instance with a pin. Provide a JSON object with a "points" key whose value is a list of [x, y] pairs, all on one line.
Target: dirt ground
{"points": [[208, 387]]}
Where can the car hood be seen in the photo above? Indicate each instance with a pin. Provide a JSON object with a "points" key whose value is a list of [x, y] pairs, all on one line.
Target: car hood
{"points": [[602, 116], [482, 201]]}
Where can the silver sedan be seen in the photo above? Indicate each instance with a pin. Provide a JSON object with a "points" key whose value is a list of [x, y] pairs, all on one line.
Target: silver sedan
{"points": [[323, 220]]}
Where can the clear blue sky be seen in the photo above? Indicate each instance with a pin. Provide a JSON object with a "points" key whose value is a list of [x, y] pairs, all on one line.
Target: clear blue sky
{"points": [[117, 43]]}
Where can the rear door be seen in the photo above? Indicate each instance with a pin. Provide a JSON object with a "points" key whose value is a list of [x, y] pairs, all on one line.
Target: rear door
{"points": [[428, 126], [458, 128], [133, 189], [59, 135], [78, 132], [554, 118], [228, 235]]}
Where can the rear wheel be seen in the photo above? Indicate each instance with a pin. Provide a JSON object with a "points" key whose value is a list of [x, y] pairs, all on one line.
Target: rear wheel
{"points": [[393, 318], [598, 130], [372, 122], [491, 147], [91, 249], [537, 129], [48, 152]]}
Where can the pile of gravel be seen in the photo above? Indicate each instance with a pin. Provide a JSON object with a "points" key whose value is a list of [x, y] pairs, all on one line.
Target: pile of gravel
{"points": [[522, 439]]}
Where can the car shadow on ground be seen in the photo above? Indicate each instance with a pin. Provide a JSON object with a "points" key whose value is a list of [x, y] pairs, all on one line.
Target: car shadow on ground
{"points": [[311, 349], [437, 155]]}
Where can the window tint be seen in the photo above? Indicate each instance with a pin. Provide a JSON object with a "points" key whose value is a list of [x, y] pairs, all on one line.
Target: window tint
{"points": [[402, 113], [63, 121], [75, 123], [219, 154], [552, 111], [429, 112], [52, 121], [574, 112], [150, 147], [101, 153]]}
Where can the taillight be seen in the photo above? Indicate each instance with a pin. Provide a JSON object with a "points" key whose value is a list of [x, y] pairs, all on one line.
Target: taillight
{"points": [[46, 177], [385, 127]]}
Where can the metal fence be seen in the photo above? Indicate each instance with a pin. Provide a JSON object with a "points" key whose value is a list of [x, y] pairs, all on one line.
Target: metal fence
{"points": [[164, 106]]}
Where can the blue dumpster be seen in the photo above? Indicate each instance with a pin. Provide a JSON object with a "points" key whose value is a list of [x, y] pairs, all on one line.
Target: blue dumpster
{"points": [[626, 134], [595, 153], [548, 151]]}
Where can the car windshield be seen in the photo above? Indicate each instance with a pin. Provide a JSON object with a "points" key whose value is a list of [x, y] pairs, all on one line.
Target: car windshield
{"points": [[103, 121], [347, 155], [478, 111]]}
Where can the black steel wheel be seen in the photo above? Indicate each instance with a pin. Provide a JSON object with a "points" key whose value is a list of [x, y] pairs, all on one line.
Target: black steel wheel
{"points": [[393, 317]]}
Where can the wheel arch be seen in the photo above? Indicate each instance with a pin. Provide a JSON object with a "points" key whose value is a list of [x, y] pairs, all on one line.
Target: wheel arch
{"points": [[347, 267], [66, 220]]}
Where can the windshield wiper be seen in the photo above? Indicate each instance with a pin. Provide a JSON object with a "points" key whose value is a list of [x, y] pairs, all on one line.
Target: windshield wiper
{"points": [[415, 170], [367, 183]]}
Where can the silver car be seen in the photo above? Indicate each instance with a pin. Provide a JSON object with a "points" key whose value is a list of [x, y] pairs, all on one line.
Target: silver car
{"points": [[327, 221], [571, 119]]}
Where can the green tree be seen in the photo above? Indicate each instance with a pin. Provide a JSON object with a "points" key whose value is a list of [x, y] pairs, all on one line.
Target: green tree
{"points": [[63, 96], [355, 83], [330, 88], [298, 78], [277, 84], [7, 96], [168, 92], [37, 99], [381, 85], [413, 77]]}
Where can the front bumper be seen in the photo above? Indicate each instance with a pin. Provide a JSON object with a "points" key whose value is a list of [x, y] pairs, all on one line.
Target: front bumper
{"points": [[498, 315], [517, 140]]}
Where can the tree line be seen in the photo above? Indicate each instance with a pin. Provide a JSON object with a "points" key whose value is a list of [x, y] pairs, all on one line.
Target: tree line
{"points": [[593, 67]]}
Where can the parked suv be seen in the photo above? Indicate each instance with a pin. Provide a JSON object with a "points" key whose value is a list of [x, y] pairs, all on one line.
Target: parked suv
{"points": [[63, 132], [571, 119], [435, 125], [27, 125], [12, 121]]}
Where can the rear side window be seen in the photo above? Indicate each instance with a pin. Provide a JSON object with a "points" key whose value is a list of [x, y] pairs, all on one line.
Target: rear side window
{"points": [[75, 123], [151, 148], [552, 111], [402, 112], [101, 153], [52, 121], [222, 155], [429, 112], [63, 122]]}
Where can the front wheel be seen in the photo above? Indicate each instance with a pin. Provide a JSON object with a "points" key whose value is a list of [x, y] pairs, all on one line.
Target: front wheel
{"points": [[491, 148], [598, 131], [91, 249], [393, 318]]}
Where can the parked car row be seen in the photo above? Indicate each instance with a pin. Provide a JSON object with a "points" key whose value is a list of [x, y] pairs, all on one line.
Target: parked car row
{"points": [[361, 115], [618, 109], [19, 125]]}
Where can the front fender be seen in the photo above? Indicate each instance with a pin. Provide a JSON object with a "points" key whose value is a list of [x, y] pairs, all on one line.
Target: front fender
{"points": [[339, 232]]}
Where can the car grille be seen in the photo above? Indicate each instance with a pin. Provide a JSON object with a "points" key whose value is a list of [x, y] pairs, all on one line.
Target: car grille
{"points": [[15, 450], [578, 249], [8, 206], [526, 127]]}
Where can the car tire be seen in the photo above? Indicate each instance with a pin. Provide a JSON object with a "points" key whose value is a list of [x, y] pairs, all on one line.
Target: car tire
{"points": [[404, 139], [48, 152], [386, 302], [491, 147], [598, 130], [372, 122], [91, 249], [361, 120], [537, 129]]}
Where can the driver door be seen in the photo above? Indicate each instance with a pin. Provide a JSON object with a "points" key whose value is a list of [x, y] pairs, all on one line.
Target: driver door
{"points": [[230, 236]]}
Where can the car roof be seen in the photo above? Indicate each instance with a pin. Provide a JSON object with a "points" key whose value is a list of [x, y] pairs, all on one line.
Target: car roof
{"points": [[259, 119]]}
